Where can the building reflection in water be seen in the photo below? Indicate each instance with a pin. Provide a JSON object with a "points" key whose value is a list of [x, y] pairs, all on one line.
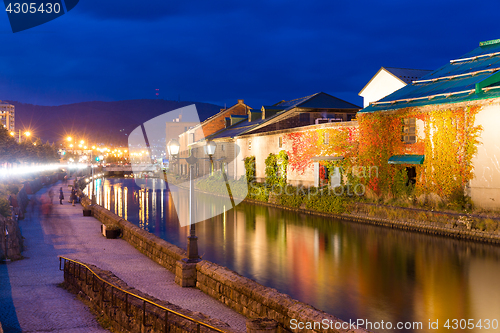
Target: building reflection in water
{"points": [[350, 270]]}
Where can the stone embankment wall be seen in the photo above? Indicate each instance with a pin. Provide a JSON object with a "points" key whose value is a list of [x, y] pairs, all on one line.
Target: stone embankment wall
{"points": [[127, 313], [439, 223], [243, 295], [254, 300], [157, 249], [447, 225]]}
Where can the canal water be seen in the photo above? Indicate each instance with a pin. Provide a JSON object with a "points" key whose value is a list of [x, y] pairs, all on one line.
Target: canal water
{"points": [[351, 270]]}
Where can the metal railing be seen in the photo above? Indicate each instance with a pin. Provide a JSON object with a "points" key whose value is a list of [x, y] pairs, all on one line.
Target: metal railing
{"points": [[105, 284]]}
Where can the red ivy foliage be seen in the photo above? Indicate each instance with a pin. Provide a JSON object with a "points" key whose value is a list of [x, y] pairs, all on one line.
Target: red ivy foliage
{"points": [[341, 141]]}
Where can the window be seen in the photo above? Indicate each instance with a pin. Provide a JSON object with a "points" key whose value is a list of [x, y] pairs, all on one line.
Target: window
{"points": [[280, 142], [191, 137], [304, 118], [409, 131], [222, 147], [326, 138], [249, 144]]}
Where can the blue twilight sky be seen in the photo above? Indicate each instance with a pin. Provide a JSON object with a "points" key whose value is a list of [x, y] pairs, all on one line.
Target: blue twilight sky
{"points": [[222, 50]]}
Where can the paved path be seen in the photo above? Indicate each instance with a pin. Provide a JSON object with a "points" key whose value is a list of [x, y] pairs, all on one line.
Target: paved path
{"points": [[30, 300]]}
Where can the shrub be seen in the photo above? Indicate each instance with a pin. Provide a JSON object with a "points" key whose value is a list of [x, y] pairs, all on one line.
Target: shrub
{"points": [[290, 196], [458, 200], [13, 189], [326, 202], [481, 225], [276, 169], [491, 225], [258, 191], [250, 168], [4, 207]]}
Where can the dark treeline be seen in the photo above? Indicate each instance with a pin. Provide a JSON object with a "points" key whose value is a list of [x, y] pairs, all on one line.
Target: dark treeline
{"points": [[29, 151]]}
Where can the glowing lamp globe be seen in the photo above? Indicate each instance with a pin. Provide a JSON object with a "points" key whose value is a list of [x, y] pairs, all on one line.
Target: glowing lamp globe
{"points": [[173, 147], [210, 148]]}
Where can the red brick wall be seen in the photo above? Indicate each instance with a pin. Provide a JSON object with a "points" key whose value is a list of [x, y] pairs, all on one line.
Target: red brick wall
{"points": [[295, 121], [210, 127], [218, 122]]}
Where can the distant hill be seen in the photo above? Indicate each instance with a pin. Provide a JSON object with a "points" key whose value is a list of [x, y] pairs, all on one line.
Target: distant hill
{"points": [[101, 122]]}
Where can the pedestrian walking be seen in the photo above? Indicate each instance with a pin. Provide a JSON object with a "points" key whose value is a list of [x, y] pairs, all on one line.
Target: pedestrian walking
{"points": [[32, 206], [73, 196], [45, 206], [61, 195], [51, 196]]}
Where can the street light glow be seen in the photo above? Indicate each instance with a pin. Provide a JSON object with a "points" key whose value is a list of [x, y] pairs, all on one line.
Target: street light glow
{"points": [[69, 138]]}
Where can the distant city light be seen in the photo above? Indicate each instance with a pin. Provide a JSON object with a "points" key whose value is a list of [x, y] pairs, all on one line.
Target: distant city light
{"points": [[14, 171], [69, 138]]}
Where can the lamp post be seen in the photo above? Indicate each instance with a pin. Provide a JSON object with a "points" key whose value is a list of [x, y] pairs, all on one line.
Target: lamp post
{"points": [[173, 150], [69, 139], [210, 148], [92, 174], [26, 134]]}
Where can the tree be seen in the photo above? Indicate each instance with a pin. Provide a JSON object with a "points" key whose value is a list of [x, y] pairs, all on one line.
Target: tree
{"points": [[9, 149]]}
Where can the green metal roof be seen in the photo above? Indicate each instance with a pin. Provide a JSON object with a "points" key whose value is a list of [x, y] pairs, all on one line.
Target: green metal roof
{"points": [[474, 76], [406, 159]]}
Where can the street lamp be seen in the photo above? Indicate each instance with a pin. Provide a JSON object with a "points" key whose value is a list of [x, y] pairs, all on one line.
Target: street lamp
{"points": [[70, 142], [210, 151], [26, 134], [173, 150]]}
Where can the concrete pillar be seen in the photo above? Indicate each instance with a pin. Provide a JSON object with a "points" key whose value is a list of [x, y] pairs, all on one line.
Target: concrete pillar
{"points": [[185, 273], [262, 325], [316, 174]]}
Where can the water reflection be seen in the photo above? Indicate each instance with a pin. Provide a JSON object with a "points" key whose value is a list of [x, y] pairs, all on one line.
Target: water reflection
{"points": [[346, 269]]}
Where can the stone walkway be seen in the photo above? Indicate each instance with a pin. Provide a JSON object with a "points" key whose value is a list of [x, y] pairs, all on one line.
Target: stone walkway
{"points": [[31, 301]]}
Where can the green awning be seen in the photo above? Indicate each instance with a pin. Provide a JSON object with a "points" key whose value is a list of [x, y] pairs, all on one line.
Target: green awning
{"points": [[406, 159]]}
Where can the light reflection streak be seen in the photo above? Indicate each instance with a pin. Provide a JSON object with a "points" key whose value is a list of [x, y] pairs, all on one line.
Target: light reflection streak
{"points": [[119, 199], [146, 204], [125, 198]]}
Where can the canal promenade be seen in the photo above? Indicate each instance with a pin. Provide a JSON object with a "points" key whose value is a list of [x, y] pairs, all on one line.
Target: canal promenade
{"points": [[31, 300]]}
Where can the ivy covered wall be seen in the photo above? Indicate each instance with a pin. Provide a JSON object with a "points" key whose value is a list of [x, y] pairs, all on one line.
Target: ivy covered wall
{"points": [[449, 141]]}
